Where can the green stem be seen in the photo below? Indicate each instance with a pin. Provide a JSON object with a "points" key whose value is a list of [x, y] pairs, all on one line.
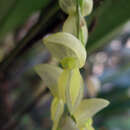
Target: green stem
{"points": [[78, 18]]}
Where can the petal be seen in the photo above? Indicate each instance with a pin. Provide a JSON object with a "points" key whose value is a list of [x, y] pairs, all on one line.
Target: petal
{"points": [[88, 108], [49, 74], [74, 89], [57, 109], [64, 45], [70, 86], [62, 83]]}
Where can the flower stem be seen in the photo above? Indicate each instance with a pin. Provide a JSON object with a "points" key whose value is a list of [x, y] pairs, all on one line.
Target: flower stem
{"points": [[78, 18]]}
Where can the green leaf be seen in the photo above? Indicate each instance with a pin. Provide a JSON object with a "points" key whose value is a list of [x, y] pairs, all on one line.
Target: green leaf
{"points": [[5, 6], [49, 74], [110, 17], [57, 109], [88, 108], [1, 54], [64, 45], [15, 12]]}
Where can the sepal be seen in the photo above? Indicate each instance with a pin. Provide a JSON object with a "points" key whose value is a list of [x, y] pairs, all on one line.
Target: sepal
{"points": [[88, 108], [63, 45], [50, 75], [70, 86], [57, 109]]}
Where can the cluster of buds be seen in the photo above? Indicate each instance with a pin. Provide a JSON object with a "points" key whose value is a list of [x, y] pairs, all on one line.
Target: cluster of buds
{"points": [[69, 111]]}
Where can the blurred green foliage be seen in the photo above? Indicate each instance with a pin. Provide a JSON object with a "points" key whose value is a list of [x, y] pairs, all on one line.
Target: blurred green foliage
{"points": [[15, 12], [109, 18]]}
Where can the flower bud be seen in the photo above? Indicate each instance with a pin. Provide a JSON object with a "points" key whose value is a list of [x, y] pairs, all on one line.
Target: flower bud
{"points": [[86, 7], [69, 6], [70, 26]]}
